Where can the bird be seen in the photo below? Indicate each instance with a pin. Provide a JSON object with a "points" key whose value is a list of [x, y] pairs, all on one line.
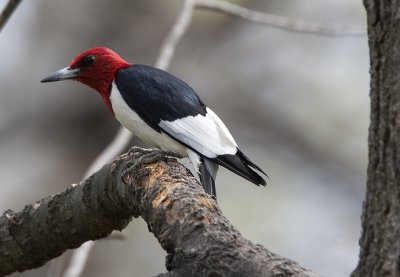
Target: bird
{"points": [[163, 111]]}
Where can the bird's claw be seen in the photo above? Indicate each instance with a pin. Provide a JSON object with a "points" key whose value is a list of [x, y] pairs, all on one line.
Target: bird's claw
{"points": [[144, 156], [147, 156], [136, 151]]}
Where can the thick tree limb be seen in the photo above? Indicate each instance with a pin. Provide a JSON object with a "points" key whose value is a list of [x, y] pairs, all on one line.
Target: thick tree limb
{"points": [[187, 222]]}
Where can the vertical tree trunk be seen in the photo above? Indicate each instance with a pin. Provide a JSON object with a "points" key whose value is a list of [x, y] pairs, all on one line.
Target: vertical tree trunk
{"points": [[380, 240]]}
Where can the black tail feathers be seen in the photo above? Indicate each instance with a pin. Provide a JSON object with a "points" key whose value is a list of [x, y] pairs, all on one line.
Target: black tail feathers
{"points": [[241, 165], [208, 171], [238, 163]]}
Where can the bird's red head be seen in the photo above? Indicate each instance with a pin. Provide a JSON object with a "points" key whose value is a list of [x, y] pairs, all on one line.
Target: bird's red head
{"points": [[95, 67]]}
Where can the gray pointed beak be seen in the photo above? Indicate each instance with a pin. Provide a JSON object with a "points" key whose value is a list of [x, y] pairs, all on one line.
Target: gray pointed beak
{"points": [[62, 74]]}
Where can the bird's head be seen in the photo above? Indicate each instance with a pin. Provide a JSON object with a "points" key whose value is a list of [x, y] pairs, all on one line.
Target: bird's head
{"points": [[95, 67]]}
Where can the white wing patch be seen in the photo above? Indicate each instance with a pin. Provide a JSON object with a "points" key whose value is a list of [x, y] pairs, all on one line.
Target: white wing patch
{"points": [[207, 135]]}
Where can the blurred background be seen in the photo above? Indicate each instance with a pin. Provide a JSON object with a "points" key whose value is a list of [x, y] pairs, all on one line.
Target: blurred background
{"points": [[296, 103]]}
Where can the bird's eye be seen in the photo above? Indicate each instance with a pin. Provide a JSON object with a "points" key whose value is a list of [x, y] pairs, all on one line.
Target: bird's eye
{"points": [[89, 60]]}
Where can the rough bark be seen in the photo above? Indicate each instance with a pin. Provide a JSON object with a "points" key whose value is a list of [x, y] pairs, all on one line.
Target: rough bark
{"points": [[380, 240], [188, 223]]}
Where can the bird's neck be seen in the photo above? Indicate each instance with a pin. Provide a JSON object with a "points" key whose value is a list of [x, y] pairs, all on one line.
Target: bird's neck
{"points": [[104, 85], [106, 98]]}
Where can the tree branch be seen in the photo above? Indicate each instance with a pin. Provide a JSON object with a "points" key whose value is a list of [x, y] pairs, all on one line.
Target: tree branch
{"points": [[277, 21], [187, 222], [79, 256], [177, 31], [7, 12]]}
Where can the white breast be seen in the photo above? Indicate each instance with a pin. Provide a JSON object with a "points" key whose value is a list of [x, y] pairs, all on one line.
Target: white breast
{"points": [[131, 120]]}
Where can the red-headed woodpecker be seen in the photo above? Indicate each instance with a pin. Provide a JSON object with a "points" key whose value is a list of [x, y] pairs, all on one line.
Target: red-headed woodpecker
{"points": [[163, 111]]}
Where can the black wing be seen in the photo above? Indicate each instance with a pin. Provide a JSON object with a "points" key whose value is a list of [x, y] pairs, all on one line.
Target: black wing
{"points": [[156, 95]]}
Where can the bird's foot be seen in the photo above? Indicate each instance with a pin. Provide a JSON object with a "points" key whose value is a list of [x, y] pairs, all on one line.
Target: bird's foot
{"points": [[147, 156], [136, 151], [140, 156]]}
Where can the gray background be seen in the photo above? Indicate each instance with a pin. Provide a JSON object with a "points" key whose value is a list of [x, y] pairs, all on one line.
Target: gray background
{"points": [[296, 103]]}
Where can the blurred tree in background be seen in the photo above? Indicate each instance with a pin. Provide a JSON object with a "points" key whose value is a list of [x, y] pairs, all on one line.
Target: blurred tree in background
{"points": [[380, 243]]}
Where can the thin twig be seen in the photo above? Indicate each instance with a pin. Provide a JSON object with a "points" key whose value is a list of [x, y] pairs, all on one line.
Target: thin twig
{"points": [[174, 36], [282, 22], [79, 256], [115, 147], [7, 12], [78, 259]]}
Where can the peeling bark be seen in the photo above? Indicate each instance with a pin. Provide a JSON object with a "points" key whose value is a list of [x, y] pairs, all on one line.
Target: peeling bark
{"points": [[188, 223]]}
